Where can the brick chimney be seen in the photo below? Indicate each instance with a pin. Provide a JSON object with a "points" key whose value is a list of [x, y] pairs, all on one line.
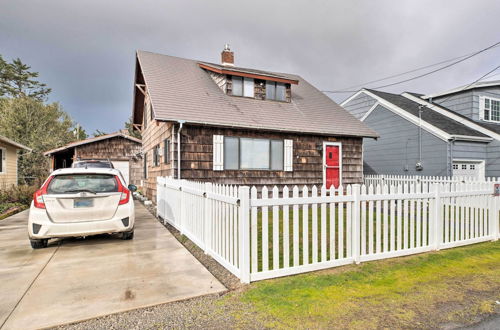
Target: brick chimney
{"points": [[227, 56]]}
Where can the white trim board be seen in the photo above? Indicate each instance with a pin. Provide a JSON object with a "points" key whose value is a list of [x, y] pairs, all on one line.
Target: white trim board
{"points": [[369, 111], [469, 122]]}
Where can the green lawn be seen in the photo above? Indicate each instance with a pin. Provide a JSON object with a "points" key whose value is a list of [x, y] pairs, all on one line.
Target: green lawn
{"points": [[422, 291], [418, 236]]}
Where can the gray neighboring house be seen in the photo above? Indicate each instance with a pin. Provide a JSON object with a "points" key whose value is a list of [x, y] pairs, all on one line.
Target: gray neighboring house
{"points": [[453, 133]]}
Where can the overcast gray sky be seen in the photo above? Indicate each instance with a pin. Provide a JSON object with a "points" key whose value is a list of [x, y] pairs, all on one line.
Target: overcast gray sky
{"points": [[84, 50]]}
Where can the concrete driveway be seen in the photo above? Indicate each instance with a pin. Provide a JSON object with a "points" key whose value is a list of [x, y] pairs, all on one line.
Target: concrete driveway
{"points": [[78, 279]]}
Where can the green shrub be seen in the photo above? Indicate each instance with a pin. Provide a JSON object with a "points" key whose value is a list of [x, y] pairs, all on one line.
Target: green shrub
{"points": [[17, 194]]}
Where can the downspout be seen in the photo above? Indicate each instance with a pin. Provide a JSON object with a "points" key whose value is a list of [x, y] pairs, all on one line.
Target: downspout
{"points": [[450, 163], [420, 134], [181, 124]]}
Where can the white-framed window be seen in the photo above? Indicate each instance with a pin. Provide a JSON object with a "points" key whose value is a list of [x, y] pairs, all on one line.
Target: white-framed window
{"points": [[455, 166], [275, 91], [253, 154], [242, 153], [490, 109], [3, 160], [243, 86]]}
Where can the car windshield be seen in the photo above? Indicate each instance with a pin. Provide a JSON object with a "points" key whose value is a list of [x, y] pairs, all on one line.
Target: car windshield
{"points": [[92, 165], [74, 183]]}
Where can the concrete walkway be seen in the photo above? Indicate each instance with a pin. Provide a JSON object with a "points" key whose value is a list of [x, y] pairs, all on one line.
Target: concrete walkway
{"points": [[78, 279]]}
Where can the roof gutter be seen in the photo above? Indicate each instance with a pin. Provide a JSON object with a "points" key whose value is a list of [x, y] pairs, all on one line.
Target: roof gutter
{"points": [[471, 138], [181, 124]]}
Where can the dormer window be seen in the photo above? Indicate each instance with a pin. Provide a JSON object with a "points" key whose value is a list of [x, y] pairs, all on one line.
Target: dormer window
{"points": [[243, 86], [275, 91], [251, 83]]}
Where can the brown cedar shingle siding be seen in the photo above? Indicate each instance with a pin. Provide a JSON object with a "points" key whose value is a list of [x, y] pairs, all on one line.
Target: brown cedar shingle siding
{"points": [[117, 148], [197, 158], [180, 90]]}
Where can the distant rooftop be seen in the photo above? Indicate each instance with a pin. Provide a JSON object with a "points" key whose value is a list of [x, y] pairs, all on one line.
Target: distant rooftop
{"points": [[480, 84]]}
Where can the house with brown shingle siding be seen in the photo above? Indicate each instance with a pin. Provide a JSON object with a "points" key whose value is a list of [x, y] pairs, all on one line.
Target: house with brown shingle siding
{"points": [[225, 124]]}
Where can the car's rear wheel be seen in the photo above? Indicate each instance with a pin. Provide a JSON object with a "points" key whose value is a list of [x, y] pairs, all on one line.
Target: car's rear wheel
{"points": [[39, 243], [128, 235]]}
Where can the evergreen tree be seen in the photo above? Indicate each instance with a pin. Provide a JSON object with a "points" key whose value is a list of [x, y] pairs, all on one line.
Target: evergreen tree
{"points": [[17, 80], [37, 125], [129, 126]]}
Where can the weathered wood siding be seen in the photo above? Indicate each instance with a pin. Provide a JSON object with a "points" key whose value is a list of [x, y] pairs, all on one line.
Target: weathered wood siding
{"points": [[155, 134], [118, 149], [9, 176], [197, 157]]}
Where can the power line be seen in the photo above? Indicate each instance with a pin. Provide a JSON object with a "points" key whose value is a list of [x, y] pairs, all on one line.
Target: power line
{"points": [[461, 59], [403, 73], [472, 83]]}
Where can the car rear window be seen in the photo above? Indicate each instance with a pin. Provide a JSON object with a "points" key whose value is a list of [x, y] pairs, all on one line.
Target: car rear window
{"points": [[74, 183], [92, 165]]}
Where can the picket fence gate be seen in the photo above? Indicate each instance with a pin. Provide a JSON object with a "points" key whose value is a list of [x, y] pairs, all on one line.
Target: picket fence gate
{"points": [[265, 234]]}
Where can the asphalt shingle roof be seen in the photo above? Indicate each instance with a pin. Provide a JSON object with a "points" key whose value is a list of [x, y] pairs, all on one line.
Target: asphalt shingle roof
{"points": [[181, 90], [430, 116]]}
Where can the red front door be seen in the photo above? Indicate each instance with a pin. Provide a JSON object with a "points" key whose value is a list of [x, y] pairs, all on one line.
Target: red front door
{"points": [[332, 165]]}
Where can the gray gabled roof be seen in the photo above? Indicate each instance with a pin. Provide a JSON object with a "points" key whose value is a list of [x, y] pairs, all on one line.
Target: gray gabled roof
{"points": [[428, 115], [180, 90], [479, 84], [495, 128], [92, 140]]}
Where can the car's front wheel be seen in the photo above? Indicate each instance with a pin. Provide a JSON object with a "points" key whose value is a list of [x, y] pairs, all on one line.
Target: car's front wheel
{"points": [[128, 235], [39, 243]]}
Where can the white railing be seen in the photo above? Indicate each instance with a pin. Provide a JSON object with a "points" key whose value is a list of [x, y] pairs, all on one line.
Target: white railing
{"points": [[210, 215], [287, 232]]}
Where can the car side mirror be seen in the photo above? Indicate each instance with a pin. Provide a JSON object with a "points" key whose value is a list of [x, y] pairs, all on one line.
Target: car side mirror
{"points": [[132, 187]]}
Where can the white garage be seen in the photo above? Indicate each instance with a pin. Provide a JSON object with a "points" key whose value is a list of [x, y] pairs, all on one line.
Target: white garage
{"points": [[124, 167], [466, 168]]}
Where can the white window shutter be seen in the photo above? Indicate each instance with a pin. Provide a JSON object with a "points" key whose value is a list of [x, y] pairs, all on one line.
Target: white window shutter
{"points": [[218, 152], [288, 156]]}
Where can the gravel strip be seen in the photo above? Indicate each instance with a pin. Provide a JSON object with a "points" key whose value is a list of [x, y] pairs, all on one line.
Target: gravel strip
{"points": [[197, 313]]}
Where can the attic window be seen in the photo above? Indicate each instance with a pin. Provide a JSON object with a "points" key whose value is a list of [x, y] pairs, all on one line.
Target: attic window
{"points": [[275, 91], [243, 86]]}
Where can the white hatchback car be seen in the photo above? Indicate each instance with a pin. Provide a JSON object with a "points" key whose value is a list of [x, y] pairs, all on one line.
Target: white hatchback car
{"points": [[75, 202]]}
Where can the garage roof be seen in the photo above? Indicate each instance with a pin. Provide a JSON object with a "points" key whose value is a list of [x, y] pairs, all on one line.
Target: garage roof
{"points": [[92, 140]]}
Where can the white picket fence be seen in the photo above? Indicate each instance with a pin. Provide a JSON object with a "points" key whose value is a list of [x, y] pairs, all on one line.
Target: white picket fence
{"points": [[376, 179], [287, 232]]}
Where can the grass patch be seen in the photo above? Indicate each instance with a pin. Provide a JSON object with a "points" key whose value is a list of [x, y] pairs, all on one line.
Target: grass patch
{"points": [[421, 291]]}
